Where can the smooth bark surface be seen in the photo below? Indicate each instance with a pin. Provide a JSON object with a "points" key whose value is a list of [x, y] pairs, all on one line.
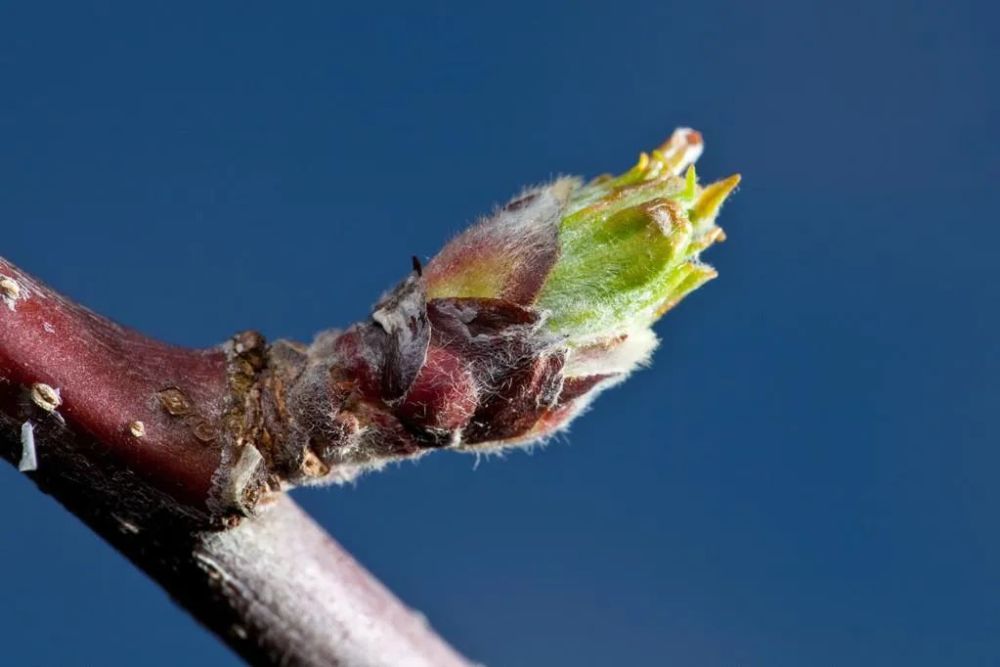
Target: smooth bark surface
{"points": [[131, 434]]}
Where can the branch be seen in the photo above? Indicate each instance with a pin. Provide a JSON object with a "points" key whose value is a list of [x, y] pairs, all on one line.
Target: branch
{"points": [[128, 433], [180, 458]]}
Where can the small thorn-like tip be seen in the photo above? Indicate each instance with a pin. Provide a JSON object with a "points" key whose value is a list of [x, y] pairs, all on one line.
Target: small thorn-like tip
{"points": [[417, 266], [690, 182], [713, 196]]}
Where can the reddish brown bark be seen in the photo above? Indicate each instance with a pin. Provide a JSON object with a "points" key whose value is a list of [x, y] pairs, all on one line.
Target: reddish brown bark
{"points": [[143, 441], [109, 377]]}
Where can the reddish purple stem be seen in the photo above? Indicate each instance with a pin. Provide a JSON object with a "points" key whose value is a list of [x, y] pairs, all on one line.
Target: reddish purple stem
{"points": [[133, 444]]}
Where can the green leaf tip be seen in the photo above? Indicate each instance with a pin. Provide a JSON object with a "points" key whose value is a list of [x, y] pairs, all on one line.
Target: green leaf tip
{"points": [[629, 245], [523, 318]]}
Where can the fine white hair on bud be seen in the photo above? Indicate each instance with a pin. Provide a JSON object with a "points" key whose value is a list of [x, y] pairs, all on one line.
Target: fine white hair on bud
{"points": [[519, 322]]}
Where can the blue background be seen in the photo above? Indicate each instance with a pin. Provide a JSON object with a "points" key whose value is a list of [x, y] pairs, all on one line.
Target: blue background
{"points": [[807, 476]]}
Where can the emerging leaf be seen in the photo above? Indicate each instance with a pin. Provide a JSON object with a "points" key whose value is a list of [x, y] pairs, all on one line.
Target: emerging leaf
{"points": [[519, 321]]}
